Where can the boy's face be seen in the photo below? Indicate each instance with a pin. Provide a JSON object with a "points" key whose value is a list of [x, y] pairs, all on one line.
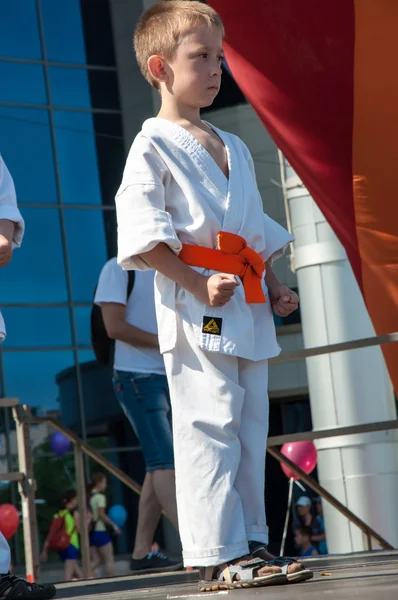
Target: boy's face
{"points": [[300, 539], [194, 74], [303, 510]]}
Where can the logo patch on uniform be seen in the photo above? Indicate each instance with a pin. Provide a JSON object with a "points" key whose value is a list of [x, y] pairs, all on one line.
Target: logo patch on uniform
{"points": [[212, 325]]}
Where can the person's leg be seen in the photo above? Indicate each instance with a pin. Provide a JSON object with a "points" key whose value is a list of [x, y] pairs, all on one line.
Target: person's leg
{"points": [[77, 572], [250, 478], [69, 567], [146, 403], [95, 558], [164, 484], [207, 402], [149, 511], [154, 430], [106, 554]]}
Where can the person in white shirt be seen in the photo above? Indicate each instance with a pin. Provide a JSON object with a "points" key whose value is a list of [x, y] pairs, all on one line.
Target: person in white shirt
{"points": [[141, 388], [11, 233]]}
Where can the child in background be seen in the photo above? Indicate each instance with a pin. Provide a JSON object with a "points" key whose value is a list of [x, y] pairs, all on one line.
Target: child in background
{"points": [[72, 526], [100, 541], [303, 515], [318, 528], [303, 541]]}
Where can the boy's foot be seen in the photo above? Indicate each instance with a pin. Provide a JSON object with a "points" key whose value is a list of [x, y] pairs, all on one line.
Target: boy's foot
{"points": [[154, 562], [294, 570], [16, 587], [244, 572]]}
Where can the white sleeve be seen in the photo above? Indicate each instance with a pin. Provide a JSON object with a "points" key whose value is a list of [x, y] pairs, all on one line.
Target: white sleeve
{"points": [[277, 238], [143, 221], [8, 204], [112, 284]]}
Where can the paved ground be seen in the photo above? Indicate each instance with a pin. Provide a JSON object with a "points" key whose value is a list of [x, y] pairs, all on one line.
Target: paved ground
{"points": [[367, 576]]}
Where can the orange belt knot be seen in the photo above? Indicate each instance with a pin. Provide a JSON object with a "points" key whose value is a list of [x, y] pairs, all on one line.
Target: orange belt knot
{"points": [[232, 256]]}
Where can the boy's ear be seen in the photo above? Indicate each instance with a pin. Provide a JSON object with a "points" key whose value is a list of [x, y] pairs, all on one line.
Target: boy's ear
{"points": [[156, 68]]}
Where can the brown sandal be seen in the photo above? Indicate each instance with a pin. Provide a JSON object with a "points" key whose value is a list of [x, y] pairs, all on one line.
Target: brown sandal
{"points": [[230, 576], [302, 574]]}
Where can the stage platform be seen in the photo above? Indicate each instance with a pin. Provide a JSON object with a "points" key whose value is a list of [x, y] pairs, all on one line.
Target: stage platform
{"points": [[366, 576]]}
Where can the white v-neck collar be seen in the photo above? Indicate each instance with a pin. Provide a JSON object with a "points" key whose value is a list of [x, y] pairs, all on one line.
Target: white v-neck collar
{"points": [[173, 138], [202, 156]]}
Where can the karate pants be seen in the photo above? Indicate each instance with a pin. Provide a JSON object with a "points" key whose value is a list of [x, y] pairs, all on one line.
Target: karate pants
{"points": [[220, 427], [5, 555]]}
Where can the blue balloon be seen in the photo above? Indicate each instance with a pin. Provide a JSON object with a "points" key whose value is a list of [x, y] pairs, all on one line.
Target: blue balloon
{"points": [[118, 514], [59, 443]]}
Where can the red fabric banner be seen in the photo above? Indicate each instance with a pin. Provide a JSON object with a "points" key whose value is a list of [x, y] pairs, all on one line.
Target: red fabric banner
{"points": [[320, 75]]}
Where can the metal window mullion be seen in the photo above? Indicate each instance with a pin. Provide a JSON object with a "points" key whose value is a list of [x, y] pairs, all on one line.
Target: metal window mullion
{"points": [[63, 227], [51, 107], [51, 63], [46, 348], [45, 304], [67, 206]]}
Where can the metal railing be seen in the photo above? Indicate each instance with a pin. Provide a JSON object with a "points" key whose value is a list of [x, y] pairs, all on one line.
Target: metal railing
{"points": [[25, 476]]}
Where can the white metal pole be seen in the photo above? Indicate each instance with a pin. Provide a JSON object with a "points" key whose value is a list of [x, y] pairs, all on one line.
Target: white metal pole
{"points": [[346, 388]]}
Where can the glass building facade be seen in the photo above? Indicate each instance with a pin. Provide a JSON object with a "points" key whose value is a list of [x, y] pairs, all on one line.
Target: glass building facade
{"points": [[61, 138]]}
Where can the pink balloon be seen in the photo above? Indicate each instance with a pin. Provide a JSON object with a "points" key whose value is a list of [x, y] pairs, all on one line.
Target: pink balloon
{"points": [[302, 454]]}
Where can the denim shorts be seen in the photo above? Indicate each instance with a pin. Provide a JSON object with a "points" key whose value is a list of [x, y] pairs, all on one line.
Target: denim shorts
{"points": [[145, 401]]}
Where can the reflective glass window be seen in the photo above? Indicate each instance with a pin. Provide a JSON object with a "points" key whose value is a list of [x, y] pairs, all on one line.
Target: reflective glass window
{"points": [[104, 89], [36, 272], [19, 29], [110, 152], [77, 155], [63, 30], [82, 320], [69, 87], [87, 250], [26, 148], [37, 327], [86, 356], [31, 376], [24, 83], [98, 34]]}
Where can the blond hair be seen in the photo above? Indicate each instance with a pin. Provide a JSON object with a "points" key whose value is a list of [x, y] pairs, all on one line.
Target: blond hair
{"points": [[161, 28]]}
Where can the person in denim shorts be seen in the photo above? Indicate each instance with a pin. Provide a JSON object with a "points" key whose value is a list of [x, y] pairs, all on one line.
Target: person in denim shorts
{"points": [[141, 388]]}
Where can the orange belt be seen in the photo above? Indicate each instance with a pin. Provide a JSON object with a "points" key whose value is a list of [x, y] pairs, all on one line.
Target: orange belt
{"points": [[232, 256]]}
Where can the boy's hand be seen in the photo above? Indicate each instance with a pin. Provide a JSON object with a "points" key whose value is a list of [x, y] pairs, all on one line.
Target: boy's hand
{"points": [[5, 251], [217, 289], [283, 300]]}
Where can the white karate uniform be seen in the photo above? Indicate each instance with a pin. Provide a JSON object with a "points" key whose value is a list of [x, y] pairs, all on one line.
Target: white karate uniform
{"points": [[8, 210], [174, 192]]}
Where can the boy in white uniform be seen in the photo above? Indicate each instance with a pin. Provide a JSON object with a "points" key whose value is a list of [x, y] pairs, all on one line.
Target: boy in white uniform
{"points": [[189, 197], [11, 234]]}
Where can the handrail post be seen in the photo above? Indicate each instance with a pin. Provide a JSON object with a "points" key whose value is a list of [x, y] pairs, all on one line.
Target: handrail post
{"points": [[27, 486], [82, 500]]}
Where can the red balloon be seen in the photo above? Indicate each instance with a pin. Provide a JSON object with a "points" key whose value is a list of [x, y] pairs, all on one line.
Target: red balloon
{"points": [[303, 454], [9, 520]]}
